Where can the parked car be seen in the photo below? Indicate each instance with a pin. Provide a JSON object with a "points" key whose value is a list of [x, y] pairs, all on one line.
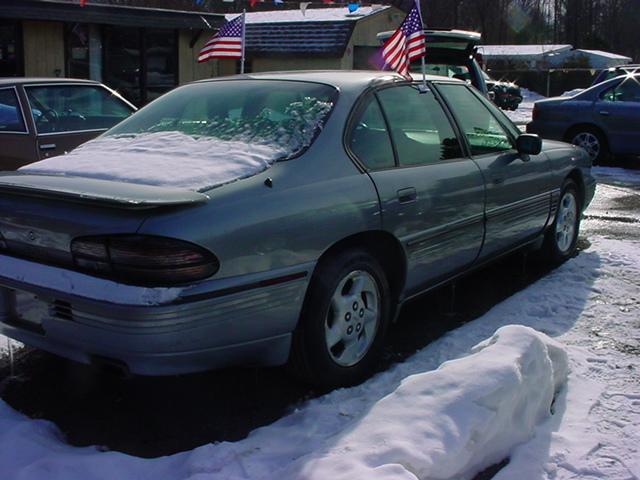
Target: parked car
{"points": [[506, 95], [273, 218], [43, 117], [613, 72], [451, 54], [603, 119]]}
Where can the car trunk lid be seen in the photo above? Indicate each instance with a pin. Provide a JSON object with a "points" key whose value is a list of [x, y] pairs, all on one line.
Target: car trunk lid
{"points": [[452, 42], [445, 43], [97, 191], [40, 215]]}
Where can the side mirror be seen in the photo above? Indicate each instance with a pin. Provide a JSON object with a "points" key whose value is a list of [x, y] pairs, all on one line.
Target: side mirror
{"points": [[529, 144]]}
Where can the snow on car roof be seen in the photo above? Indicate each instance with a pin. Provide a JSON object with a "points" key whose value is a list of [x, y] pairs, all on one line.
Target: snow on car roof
{"points": [[310, 15]]}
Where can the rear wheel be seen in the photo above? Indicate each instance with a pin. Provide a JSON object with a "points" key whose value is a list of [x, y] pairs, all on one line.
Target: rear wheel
{"points": [[562, 237], [593, 141], [344, 321]]}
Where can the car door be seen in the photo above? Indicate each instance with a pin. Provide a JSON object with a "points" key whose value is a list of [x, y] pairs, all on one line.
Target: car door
{"points": [[617, 110], [67, 115], [431, 196], [518, 187], [18, 143]]}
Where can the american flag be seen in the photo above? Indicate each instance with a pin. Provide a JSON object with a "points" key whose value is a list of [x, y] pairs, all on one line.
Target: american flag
{"points": [[227, 43], [406, 44]]}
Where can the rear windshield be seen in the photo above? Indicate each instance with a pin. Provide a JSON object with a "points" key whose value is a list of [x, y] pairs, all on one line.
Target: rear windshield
{"points": [[282, 115]]}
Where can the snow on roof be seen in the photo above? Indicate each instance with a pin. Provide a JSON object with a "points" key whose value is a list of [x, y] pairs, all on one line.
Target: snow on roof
{"points": [[601, 53], [521, 51], [311, 15]]}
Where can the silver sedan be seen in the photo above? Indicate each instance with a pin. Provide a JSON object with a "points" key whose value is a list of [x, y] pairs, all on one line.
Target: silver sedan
{"points": [[274, 218]]}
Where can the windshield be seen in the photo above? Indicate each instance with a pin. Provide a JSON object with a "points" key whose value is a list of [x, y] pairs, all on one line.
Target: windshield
{"points": [[282, 115]]}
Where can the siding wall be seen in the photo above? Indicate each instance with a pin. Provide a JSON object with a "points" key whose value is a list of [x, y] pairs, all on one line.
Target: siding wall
{"points": [[268, 64], [364, 35], [43, 49], [188, 67]]}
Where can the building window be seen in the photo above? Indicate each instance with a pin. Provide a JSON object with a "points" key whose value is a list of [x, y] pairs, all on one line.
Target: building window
{"points": [[83, 45], [140, 63], [11, 64]]}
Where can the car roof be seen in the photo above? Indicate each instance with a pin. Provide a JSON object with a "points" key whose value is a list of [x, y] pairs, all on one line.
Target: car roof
{"points": [[336, 78], [43, 80], [622, 67], [605, 83]]}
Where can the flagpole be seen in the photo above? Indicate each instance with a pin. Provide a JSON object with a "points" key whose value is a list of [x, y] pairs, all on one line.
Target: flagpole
{"points": [[244, 23], [424, 75]]}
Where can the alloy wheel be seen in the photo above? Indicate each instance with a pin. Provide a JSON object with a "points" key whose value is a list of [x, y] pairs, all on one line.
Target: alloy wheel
{"points": [[565, 229], [589, 142], [353, 318]]}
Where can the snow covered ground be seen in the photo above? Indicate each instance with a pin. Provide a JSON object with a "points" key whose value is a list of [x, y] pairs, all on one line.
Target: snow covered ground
{"points": [[522, 115], [428, 419]]}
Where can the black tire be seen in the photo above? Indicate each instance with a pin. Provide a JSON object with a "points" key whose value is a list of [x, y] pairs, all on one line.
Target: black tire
{"points": [[556, 247], [311, 359], [581, 137]]}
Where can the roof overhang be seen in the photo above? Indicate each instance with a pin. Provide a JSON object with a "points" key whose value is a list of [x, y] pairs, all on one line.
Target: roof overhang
{"points": [[125, 16]]}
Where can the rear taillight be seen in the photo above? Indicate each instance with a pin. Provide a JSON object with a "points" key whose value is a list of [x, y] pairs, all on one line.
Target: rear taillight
{"points": [[143, 259], [535, 113]]}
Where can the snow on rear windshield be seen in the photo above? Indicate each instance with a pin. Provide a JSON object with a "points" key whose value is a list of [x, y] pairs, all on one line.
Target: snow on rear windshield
{"points": [[204, 135]]}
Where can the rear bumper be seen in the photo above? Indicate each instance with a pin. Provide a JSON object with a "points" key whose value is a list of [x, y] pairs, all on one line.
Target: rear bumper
{"points": [[546, 130], [240, 321]]}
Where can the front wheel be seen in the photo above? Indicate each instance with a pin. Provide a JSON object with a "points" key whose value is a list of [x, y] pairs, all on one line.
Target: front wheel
{"points": [[562, 237], [343, 322]]}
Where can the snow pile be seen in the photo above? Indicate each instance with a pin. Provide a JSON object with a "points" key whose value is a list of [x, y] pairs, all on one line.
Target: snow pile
{"points": [[522, 115], [447, 423], [171, 159], [455, 421], [529, 96]]}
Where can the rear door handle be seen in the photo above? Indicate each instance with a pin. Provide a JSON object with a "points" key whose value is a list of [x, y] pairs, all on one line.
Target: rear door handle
{"points": [[48, 146], [407, 195], [604, 113]]}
